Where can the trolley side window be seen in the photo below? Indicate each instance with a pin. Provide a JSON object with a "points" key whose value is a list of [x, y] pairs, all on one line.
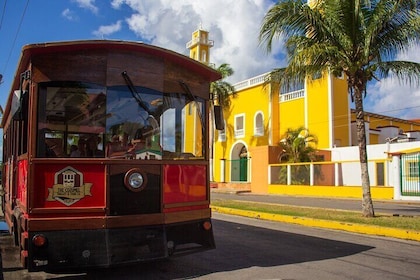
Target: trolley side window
{"points": [[86, 120], [143, 123], [18, 128], [71, 120]]}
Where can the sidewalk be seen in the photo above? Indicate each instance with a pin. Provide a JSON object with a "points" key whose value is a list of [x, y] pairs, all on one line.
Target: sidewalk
{"points": [[390, 207], [395, 208]]}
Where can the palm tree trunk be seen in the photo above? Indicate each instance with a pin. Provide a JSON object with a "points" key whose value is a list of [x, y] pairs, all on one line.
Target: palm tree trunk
{"points": [[367, 205]]}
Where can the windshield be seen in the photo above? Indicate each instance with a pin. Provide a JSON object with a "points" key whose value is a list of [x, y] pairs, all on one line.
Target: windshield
{"points": [[86, 120]]}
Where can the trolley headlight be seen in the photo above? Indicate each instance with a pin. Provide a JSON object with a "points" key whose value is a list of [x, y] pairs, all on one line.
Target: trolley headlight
{"points": [[135, 180]]}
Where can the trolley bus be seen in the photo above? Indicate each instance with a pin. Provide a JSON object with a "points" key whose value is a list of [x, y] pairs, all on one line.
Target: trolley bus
{"points": [[105, 152]]}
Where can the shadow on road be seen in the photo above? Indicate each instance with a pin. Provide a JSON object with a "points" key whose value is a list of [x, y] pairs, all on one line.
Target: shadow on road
{"points": [[239, 246]]}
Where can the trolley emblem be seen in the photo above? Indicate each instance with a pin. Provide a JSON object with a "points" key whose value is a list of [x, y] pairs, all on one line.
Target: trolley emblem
{"points": [[68, 187]]}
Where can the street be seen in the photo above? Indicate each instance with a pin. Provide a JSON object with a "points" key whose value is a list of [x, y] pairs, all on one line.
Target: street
{"points": [[388, 207], [255, 249]]}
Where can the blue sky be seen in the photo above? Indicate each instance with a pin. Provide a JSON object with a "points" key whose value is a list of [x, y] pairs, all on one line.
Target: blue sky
{"points": [[233, 25]]}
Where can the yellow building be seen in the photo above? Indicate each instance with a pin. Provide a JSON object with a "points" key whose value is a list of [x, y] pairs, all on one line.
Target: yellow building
{"points": [[260, 114], [384, 129], [200, 45], [321, 106]]}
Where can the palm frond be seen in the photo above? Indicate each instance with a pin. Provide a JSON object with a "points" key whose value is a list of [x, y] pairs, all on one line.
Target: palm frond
{"points": [[221, 90], [283, 19], [405, 71], [392, 26]]}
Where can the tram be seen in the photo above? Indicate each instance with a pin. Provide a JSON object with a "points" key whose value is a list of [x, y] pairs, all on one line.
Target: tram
{"points": [[105, 155]]}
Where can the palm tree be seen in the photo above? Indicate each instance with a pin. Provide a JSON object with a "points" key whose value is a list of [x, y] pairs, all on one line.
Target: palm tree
{"points": [[359, 38], [298, 145], [221, 92]]}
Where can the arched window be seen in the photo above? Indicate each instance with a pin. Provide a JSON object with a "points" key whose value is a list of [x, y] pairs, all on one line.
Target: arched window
{"points": [[259, 124], [240, 126], [204, 56]]}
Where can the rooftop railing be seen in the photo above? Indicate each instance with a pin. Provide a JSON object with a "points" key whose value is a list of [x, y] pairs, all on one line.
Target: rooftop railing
{"points": [[292, 95], [260, 79], [202, 41]]}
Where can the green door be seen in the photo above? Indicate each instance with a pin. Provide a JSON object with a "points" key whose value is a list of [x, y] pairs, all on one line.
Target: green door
{"points": [[243, 169]]}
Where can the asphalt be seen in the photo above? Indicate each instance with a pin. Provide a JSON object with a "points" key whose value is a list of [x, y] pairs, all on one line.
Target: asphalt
{"points": [[382, 207]]}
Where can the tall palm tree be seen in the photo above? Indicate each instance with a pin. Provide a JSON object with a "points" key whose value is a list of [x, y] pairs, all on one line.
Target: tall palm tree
{"points": [[359, 38]]}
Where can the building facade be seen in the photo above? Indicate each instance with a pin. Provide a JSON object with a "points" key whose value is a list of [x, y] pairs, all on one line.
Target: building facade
{"points": [[262, 112]]}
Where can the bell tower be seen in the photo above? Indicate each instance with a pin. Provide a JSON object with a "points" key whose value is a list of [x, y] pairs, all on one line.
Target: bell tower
{"points": [[200, 45]]}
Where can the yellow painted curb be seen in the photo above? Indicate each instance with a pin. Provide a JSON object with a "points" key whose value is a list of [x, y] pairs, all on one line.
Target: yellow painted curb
{"points": [[358, 228]]}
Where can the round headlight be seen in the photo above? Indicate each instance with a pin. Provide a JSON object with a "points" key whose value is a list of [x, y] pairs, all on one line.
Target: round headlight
{"points": [[135, 180]]}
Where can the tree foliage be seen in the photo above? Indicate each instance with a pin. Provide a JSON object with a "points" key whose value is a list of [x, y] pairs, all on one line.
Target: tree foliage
{"points": [[221, 89], [359, 38], [298, 145]]}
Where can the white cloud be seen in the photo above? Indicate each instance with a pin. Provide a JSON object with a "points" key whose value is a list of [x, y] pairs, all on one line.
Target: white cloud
{"points": [[69, 14], [410, 54], [116, 4], [87, 4], [233, 25], [234, 28], [394, 98], [106, 30]]}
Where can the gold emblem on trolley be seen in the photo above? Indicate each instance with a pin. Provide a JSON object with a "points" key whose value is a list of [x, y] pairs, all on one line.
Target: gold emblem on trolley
{"points": [[68, 187]]}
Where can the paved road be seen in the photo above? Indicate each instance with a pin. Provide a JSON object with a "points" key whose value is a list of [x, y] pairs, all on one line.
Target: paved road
{"points": [[255, 249], [402, 208], [387, 207]]}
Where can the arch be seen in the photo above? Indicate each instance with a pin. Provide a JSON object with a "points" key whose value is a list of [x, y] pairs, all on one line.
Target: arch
{"points": [[203, 56], [239, 162], [259, 123]]}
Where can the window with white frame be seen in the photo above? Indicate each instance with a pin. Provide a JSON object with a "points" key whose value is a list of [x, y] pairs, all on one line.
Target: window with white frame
{"points": [[259, 124], [240, 125]]}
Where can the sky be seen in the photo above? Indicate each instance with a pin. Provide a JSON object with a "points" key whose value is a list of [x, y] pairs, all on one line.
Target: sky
{"points": [[233, 26]]}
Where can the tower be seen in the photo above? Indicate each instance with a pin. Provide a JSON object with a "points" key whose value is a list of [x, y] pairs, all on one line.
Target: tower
{"points": [[200, 45]]}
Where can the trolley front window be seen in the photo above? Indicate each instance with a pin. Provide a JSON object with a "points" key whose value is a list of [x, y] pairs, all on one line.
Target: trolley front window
{"points": [[86, 120]]}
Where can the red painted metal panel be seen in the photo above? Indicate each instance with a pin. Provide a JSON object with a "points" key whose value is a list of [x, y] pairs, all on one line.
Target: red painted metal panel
{"points": [[59, 185], [184, 183], [22, 177]]}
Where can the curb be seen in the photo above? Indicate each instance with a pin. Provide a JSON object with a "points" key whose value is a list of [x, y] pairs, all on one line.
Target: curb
{"points": [[350, 227]]}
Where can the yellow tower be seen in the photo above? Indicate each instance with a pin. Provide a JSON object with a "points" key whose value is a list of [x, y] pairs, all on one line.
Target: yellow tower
{"points": [[200, 45]]}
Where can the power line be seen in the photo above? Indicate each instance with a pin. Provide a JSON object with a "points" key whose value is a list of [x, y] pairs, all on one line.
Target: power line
{"points": [[406, 108], [17, 33], [2, 14]]}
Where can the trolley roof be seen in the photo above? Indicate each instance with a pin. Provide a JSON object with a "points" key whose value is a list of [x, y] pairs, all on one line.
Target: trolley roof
{"points": [[206, 72]]}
